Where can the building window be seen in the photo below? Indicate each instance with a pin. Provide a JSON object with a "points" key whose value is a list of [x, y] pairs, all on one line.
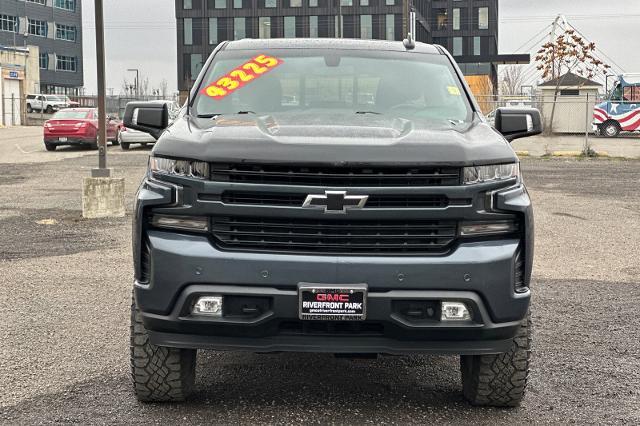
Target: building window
{"points": [[43, 2], [66, 5], [346, 2], [269, 3], [390, 2], [264, 27], [188, 31], [237, 4], [457, 46], [313, 3], [366, 26], [37, 27], [483, 18], [9, 23], [390, 27], [213, 30], [477, 46], [289, 26], [295, 3], [239, 28], [313, 26], [187, 4], [44, 61], [570, 92], [364, 2], [456, 18], [65, 32], [196, 65], [66, 63], [442, 19], [220, 4]]}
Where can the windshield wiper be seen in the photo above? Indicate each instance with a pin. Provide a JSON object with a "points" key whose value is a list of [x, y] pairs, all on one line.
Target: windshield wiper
{"points": [[369, 112]]}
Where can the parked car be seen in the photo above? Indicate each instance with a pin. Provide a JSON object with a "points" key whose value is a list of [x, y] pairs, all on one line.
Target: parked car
{"points": [[77, 126], [69, 102], [401, 228], [128, 136], [46, 103]]}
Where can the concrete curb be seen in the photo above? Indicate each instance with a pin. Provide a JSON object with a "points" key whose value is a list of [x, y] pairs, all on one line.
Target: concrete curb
{"points": [[577, 154]]}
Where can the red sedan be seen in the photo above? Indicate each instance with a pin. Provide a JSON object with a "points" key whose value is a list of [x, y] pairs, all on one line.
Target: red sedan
{"points": [[77, 126]]}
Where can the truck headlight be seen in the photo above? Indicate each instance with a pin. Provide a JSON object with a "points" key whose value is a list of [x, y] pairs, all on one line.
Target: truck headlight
{"points": [[174, 167], [491, 173]]}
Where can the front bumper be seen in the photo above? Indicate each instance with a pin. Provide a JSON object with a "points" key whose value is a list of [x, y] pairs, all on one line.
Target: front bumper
{"points": [[173, 268], [185, 266]]}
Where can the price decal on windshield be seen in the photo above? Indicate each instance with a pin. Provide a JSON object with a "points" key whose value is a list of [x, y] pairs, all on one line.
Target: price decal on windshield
{"points": [[244, 74]]}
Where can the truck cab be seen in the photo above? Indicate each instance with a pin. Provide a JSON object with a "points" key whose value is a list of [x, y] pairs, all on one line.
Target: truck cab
{"points": [[620, 112]]}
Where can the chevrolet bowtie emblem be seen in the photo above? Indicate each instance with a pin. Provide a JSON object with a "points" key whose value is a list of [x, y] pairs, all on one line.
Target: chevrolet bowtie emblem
{"points": [[335, 201]]}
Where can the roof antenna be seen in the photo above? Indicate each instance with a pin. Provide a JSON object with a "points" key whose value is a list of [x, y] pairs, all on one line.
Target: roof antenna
{"points": [[409, 42]]}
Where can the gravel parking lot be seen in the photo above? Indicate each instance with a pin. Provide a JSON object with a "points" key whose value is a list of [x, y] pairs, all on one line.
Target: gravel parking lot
{"points": [[65, 286]]}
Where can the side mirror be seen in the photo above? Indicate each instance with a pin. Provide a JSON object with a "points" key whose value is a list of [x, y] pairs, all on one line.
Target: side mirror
{"points": [[148, 117], [516, 123]]}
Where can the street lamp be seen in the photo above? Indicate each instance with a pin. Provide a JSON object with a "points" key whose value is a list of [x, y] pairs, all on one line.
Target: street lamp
{"points": [[137, 76]]}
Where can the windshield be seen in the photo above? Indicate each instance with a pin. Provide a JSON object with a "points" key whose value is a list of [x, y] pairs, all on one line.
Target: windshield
{"points": [[408, 85], [71, 115]]}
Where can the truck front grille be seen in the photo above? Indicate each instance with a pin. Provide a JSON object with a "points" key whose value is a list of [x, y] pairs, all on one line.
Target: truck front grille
{"points": [[334, 236], [374, 201], [336, 176]]}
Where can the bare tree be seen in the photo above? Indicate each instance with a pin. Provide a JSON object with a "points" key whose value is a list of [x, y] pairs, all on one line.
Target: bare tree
{"points": [[164, 88], [143, 90], [512, 81], [567, 53]]}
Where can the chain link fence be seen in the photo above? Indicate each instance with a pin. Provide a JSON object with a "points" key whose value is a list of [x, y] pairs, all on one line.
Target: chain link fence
{"points": [[23, 111], [564, 114]]}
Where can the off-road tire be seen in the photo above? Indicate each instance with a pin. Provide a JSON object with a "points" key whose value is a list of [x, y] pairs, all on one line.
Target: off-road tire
{"points": [[49, 110], [159, 374], [49, 147], [124, 146], [29, 109], [499, 380]]}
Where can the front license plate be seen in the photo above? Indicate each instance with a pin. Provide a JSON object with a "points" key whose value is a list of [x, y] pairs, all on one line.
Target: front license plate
{"points": [[328, 302], [62, 139]]}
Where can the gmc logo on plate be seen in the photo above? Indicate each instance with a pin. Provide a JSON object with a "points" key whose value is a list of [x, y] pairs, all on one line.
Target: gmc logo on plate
{"points": [[323, 297]]}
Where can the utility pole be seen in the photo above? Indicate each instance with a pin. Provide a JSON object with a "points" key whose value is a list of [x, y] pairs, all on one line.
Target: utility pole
{"points": [[102, 170], [102, 195]]}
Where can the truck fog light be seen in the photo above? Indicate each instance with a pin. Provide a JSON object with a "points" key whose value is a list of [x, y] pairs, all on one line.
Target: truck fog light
{"points": [[488, 228], [186, 223], [455, 311], [208, 305]]}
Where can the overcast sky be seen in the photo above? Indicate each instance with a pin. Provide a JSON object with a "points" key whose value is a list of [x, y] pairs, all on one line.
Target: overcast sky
{"points": [[141, 34]]}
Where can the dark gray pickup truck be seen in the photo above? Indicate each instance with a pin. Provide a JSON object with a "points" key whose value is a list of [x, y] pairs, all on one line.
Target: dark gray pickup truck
{"points": [[336, 196]]}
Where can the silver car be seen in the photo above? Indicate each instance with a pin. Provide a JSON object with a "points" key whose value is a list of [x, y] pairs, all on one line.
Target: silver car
{"points": [[127, 136]]}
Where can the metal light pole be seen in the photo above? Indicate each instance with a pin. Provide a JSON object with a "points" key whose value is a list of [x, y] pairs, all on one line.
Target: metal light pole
{"points": [[102, 170], [137, 78], [102, 195]]}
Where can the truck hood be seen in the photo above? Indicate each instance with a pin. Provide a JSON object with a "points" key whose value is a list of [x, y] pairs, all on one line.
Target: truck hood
{"points": [[338, 139]]}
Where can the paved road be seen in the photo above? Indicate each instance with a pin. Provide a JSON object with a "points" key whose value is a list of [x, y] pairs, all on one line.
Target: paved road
{"points": [[64, 299]]}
